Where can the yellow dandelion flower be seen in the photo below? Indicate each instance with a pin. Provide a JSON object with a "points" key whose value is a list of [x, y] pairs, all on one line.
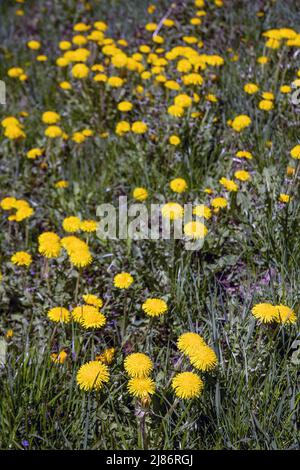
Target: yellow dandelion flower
{"points": [[167, 22], [72, 244], [79, 40], [62, 184], [49, 245], [178, 185], [284, 198], [139, 127], [263, 60], [195, 230], [155, 307], [138, 365], [141, 387], [119, 60], [174, 140], [266, 105], [244, 154], [151, 27], [21, 258], [88, 226], [92, 376], [92, 319], [273, 43], [123, 280], [91, 299], [107, 356], [10, 121], [115, 82], [59, 358], [202, 211], [53, 132], [59, 314], [264, 312], [219, 203], [100, 26], [140, 194], [295, 152], [242, 175], [188, 342], [187, 385], [158, 39], [241, 122], [50, 117], [71, 224], [14, 132], [65, 85], [100, 77], [290, 171], [285, 89], [203, 358], [172, 85], [78, 313], [192, 79], [8, 203], [125, 106], [62, 62], [122, 127], [34, 45], [184, 66], [32, 154], [189, 39], [183, 100], [15, 72], [80, 27], [80, 71], [9, 333], [229, 184], [285, 314], [151, 9], [23, 213], [87, 132], [64, 45], [172, 210], [175, 110], [81, 258], [195, 21], [212, 98], [251, 88], [78, 137], [208, 191]]}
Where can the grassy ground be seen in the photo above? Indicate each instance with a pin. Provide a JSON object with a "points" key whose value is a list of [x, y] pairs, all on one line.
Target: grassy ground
{"points": [[250, 255]]}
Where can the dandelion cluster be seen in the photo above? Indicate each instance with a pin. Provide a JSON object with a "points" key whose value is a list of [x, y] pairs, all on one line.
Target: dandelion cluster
{"points": [[92, 376], [88, 316], [139, 367], [268, 313], [188, 384]]}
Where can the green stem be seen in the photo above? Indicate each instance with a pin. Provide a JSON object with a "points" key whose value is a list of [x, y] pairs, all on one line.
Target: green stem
{"points": [[77, 287], [87, 423]]}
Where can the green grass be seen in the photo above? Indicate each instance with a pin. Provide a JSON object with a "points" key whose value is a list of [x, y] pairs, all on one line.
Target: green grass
{"points": [[251, 255]]}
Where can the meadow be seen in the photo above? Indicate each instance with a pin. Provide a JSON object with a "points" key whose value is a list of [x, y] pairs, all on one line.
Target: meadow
{"points": [[139, 343]]}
